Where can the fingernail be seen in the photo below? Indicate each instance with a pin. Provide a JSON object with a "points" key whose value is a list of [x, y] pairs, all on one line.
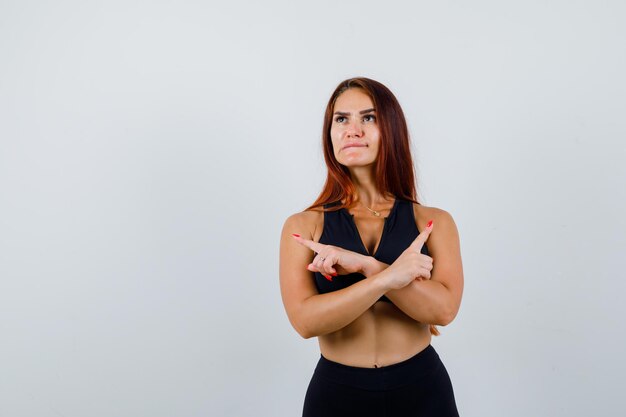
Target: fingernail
{"points": [[429, 223], [328, 277], [334, 274], [295, 234]]}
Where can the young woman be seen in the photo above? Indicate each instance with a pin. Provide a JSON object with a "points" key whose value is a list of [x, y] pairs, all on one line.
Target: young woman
{"points": [[369, 271]]}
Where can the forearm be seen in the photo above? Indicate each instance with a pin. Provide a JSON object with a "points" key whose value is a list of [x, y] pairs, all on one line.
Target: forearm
{"points": [[425, 301], [326, 313]]}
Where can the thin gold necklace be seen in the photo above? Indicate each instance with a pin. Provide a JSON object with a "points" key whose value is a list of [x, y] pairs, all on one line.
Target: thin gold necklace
{"points": [[374, 212]]}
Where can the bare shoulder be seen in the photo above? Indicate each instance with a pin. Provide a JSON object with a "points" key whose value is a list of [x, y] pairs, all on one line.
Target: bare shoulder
{"points": [[440, 217], [308, 224]]}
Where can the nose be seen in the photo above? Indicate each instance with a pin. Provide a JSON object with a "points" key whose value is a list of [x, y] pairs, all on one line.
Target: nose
{"points": [[353, 129]]}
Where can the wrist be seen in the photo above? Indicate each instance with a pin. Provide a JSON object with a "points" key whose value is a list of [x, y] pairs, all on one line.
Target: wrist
{"points": [[369, 266], [382, 280]]}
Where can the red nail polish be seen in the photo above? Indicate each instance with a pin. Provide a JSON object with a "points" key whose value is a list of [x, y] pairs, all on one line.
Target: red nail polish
{"points": [[334, 274], [295, 234], [328, 277], [429, 223]]}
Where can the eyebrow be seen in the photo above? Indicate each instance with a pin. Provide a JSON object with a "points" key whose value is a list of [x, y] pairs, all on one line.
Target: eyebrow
{"points": [[343, 113]]}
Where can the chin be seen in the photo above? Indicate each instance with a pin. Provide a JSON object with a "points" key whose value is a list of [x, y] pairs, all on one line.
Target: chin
{"points": [[356, 163]]}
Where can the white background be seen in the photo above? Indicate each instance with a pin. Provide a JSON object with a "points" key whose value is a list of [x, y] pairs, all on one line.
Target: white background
{"points": [[150, 152]]}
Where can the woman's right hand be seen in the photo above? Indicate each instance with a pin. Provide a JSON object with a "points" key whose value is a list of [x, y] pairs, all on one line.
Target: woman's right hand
{"points": [[411, 264], [332, 260]]}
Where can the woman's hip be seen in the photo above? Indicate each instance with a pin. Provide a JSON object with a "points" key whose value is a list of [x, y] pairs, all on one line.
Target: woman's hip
{"points": [[418, 386]]}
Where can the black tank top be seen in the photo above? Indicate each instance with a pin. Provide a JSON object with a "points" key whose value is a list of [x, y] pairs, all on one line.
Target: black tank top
{"points": [[399, 231]]}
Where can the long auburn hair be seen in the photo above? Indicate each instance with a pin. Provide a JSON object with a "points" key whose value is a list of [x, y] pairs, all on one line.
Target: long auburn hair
{"points": [[394, 173]]}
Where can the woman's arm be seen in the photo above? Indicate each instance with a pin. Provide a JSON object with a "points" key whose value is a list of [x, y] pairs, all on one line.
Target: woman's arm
{"points": [[313, 314], [310, 313], [437, 300]]}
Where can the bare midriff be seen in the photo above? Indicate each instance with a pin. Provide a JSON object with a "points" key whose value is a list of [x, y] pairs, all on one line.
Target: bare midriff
{"points": [[381, 336]]}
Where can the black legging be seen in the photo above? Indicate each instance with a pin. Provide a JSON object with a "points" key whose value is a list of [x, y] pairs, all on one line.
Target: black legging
{"points": [[419, 386]]}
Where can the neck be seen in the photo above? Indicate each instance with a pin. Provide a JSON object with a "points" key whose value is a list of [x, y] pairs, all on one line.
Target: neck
{"points": [[367, 194]]}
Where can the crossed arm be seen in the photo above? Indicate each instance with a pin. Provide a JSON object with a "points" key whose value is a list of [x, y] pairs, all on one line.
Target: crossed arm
{"points": [[432, 301], [427, 296]]}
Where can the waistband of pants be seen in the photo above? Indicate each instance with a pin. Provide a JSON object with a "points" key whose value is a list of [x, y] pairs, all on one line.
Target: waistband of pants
{"points": [[386, 377]]}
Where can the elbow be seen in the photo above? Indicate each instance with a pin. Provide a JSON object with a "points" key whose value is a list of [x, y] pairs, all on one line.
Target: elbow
{"points": [[303, 330], [308, 331], [302, 324], [448, 309], [446, 316], [444, 320], [305, 334]]}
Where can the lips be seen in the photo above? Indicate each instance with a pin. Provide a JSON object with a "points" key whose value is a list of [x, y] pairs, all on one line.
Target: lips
{"points": [[354, 145]]}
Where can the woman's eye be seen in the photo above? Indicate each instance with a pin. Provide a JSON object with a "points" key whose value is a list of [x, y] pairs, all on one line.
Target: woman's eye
{"points": [[339, 119], [369, 118]]}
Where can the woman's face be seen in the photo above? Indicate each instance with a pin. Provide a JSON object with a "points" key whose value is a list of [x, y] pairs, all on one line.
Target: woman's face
{"points": [[354, 130]]}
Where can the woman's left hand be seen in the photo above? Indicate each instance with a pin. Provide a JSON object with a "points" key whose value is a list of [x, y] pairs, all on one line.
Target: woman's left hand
{"points": [[332, 260]]}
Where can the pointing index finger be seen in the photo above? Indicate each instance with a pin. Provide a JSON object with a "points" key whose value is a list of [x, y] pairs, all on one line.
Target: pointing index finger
{"points": [[314, 246], [419, 241]]}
